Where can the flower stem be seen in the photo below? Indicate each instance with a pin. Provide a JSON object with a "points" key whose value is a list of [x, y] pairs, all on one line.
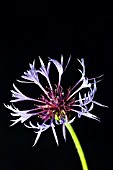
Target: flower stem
{"points": [[78, 146]]}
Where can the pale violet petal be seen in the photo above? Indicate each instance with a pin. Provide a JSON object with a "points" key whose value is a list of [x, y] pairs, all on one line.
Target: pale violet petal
{"points": [[62, 60], [19, 95], [48, 67], [59, 67], [41, 62]]}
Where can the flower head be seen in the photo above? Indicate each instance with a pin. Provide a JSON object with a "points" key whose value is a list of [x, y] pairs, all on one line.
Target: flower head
{"points": [[54, 107]]}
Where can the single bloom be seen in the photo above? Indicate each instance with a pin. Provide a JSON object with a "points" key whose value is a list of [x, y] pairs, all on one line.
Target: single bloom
{"points": [[54, 106]]}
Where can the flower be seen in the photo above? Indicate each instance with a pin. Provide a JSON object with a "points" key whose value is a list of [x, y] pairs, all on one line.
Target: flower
{"points": [[54, 106]]}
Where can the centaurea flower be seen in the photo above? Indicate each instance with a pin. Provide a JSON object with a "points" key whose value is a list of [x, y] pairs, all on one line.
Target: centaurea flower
{"points": [[54, 106]]}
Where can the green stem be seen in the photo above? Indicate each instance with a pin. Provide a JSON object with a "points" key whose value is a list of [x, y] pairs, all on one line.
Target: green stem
{"points": [[77, 145]]}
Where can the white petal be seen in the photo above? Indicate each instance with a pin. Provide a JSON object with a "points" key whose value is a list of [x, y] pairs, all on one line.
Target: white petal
{"points": [[15, 121], [99, 104], [91, 107], [54, 133], [37, 137], [67, 63], [70, 121], [91, 116], [64, 131]]}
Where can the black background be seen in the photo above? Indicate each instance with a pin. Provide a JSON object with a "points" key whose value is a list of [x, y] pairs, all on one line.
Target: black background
{"points": [[49, 30]]}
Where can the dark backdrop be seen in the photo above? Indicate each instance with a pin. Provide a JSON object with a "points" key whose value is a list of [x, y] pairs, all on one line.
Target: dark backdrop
{"points": [[49, 30]]}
